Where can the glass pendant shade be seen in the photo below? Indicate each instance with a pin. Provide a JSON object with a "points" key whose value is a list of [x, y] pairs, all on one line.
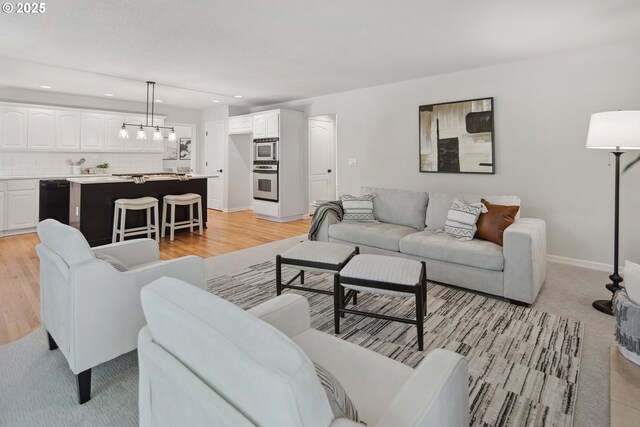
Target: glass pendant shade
{"points": [[157, 136], [172, 135], [123, 132], [141, 134]]}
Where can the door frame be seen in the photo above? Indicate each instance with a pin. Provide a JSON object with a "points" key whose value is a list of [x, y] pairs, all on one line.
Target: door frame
{"points": [[333, 118], [224, 157]]}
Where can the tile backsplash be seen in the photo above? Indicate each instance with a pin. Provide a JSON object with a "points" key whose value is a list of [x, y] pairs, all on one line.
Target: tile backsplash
{"points": [[35, 163]]}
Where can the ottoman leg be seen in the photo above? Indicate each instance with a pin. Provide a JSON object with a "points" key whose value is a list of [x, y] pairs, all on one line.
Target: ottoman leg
{"points": [[302, 277], [278, 275], [424, 286], [420, 316], [342, 304], [337, 302], [355, 297]]}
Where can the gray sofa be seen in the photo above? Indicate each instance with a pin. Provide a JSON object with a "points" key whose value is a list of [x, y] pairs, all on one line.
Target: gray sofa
{"points": [[408, 226]]}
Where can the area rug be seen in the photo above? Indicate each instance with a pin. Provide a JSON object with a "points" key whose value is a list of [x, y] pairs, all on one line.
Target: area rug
{"points": [[523, 363]]}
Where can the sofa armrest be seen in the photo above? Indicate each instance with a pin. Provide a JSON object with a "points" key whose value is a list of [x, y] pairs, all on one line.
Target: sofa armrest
{"points": [[525, 259], [329, 219], [436, 394], [289, 313], [132, 252]]}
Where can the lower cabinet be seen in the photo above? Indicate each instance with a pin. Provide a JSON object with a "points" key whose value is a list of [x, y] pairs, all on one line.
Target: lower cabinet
{"points": [[20, 208]]}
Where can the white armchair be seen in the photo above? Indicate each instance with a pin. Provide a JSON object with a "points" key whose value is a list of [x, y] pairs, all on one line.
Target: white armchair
{"points": [[91, 310], [204, 361]]}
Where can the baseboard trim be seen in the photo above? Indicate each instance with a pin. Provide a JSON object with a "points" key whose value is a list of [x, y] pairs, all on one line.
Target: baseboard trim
{"points": [[245, 208], [600, 266]]}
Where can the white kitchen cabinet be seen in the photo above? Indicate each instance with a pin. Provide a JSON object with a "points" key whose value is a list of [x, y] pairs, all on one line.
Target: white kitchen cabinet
{"points": [[22, 204], [272, 125], [133, 143], [41, 134], [155, 146], [112, 126], [259, 126], [240, 124], [2, 206], [92, 131], [67, 125], [13, 128]]}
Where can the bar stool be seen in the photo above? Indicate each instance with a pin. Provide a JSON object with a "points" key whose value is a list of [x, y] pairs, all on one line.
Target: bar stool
{"points": [[188, 199], [121, 207]]}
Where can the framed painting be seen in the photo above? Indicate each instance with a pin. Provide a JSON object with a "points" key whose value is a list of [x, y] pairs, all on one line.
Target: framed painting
{"points": [[457, 137], [184, 148], [169, 150]]}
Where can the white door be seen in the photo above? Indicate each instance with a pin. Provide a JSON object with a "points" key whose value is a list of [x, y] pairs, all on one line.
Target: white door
{"points": [[13, 128], [91, 131], [322, 148], [41, 134], [214, 161], [67, 130]]}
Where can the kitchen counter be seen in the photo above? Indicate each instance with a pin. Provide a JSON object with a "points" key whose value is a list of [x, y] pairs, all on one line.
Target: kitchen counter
{"points": [[109, 179], [77, 177]]}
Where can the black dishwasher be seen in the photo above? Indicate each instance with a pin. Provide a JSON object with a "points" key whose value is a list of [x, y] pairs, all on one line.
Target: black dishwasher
{"points": [[54, 200]]}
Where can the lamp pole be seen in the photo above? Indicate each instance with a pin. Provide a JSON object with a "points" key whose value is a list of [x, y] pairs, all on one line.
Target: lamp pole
{"points": [[606, 306]]}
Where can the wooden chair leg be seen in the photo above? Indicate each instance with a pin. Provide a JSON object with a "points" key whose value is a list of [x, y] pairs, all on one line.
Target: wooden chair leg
{"points": [[123, 219], [148, 223], [191, 218], [52, 343], [156, 223], [83, 380], [163, 231], [114, 237], [172, 226], [200, 216]]}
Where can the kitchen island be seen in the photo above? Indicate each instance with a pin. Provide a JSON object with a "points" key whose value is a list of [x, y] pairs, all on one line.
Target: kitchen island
{"points": [[91, 202]]}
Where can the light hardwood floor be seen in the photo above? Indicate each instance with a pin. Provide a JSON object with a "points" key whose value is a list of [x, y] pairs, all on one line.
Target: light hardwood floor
{"points": [[19, 267]]}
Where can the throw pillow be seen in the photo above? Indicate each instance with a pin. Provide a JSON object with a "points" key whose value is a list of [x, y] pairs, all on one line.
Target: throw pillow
{"points": [[632, 281], [491, 225], [358, 209], [341, 405], [462, 218], [116, 263]]}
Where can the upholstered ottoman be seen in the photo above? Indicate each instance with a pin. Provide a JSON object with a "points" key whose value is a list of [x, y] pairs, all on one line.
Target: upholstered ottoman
{"points": [[385, 275], [323, 257]]}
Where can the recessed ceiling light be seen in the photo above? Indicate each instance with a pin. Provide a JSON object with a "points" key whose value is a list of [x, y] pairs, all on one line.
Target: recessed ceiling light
{"points": [[108, 94], [45, 87], [159, 100], [238, 96], [215, 100]]}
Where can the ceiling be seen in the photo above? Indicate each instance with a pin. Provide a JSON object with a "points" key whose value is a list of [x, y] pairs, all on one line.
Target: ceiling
{"points": [[278, 50]]}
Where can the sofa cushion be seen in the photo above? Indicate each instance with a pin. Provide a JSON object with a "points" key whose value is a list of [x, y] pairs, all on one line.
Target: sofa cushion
{"points": [[444, 247], [439, 204], [399, 206], [377, 234]]}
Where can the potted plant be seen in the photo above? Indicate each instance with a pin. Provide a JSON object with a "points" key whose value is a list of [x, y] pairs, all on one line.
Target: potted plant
{"points": [[102, 168]]}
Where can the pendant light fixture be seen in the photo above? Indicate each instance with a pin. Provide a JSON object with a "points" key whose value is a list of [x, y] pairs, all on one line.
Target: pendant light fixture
{"points": [[141, 134]]}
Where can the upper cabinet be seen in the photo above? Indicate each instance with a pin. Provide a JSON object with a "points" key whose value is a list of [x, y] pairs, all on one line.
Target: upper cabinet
{"points": [[259, 126], [112, 126], [272, 125], [41, 133], [92, 131], [240, 124], [13, 128], [133, 143], [67, 127], [152, 145]]}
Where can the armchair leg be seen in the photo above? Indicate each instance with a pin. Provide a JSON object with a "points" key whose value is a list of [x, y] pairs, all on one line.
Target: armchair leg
{"points": [[52, 343], [84, 386]]}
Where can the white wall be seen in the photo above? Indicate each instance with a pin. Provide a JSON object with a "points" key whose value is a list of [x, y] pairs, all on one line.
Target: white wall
{"points": [[542, 110]]}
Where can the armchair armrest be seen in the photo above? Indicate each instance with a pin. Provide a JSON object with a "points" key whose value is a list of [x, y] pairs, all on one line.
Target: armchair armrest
{"points": [[189, 269], [289, 313], [436, 394], [132, 252], [525, 259]]}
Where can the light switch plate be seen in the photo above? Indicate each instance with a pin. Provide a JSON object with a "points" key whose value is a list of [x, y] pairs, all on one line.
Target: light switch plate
{"points": [[353, 162]]}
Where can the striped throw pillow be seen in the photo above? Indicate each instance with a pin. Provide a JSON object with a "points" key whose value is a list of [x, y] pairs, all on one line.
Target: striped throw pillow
{"points": [[341, 405], [116, 263], [358, 209], [462, 219]]}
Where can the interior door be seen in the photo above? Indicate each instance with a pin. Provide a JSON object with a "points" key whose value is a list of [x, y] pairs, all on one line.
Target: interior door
{"points": [[214, 161], [322, 148]]}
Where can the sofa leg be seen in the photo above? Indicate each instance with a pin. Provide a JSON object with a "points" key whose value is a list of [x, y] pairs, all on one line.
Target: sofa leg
{"points": [[520, 303], [84, 386], [52, 343]]}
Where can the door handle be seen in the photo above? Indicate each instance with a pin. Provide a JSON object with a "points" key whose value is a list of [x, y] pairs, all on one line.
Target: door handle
{"points": [[219, 170], [329, 171]]}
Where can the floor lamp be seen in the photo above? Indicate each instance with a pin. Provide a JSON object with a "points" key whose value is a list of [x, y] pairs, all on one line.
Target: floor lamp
{"points": [[618, 132]]}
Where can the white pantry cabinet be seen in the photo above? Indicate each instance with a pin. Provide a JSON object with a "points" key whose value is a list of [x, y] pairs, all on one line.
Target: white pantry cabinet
{"points": [[259, 126], [67, 127], [21, 204], [272, 129], [41, 134], [92, 131], [240, 124], [13, 128]]}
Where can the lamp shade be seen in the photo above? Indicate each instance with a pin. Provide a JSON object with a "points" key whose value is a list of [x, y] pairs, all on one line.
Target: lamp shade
{"points": [[614, 130]]}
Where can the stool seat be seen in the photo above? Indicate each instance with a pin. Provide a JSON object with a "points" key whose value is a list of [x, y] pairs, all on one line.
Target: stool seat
{"points": [[318, 255], [185, 198], [139, 202]]}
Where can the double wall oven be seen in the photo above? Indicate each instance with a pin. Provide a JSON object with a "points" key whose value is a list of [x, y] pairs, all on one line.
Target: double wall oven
{"points": [[265, 180]]}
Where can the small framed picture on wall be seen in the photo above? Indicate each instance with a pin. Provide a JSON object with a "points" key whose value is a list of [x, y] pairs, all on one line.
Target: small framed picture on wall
{"points": [[169, 150], [184, 147]]}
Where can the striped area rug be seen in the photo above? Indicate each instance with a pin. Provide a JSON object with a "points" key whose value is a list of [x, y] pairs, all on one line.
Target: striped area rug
{"points": [[523, 363]]}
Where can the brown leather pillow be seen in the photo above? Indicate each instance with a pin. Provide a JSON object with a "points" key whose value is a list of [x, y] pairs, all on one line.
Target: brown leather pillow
{"points": [[491, 225]]}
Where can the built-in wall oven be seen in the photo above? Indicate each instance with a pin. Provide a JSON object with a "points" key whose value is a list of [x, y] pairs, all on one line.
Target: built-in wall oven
{"points": [[265, 180], [265, 149]]}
